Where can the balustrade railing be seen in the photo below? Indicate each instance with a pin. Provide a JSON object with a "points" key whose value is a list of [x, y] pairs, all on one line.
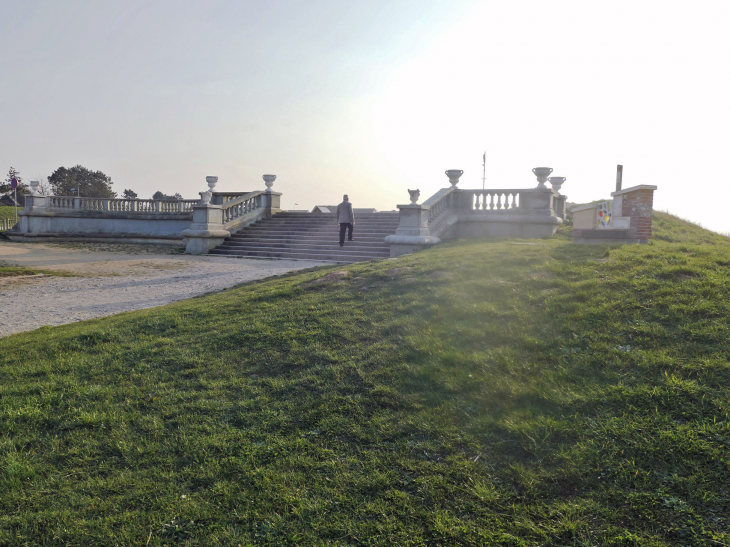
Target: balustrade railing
{"points": [[438, 204], [491, 200], [61, 202], [103, 205], [6, 224], [236, 208]]}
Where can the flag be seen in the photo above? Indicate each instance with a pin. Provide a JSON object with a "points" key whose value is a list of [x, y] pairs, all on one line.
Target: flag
{"points": [[484, 158]]}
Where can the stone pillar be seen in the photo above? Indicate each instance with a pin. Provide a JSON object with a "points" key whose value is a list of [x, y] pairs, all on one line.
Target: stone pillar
{"points": [[412, 233], [271, 202], [206, 231], [560, 206], [35, 205], [537, 201]]}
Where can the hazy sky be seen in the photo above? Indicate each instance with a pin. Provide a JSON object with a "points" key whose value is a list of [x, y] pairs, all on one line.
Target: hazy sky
{"points": [[372, 97]]}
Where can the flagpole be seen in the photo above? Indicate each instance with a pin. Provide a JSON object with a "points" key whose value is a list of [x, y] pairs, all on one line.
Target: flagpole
{"points": [[484, 169]]}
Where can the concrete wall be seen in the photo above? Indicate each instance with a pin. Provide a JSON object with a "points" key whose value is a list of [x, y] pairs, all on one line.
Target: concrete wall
{"points": [[504, 225], [123, 225]]}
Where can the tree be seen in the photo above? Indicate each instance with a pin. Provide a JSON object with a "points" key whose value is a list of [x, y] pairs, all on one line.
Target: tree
{"points": [[159, 196], [22, 187], [90, 184], [129, 194]]}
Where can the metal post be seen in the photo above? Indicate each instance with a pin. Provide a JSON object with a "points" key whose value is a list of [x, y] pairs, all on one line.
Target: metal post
{"points": [[484, 169], [16, 204], [619, 176]]}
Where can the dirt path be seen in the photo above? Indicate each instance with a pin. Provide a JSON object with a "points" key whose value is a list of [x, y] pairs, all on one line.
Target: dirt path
{"points": [[113, 279]]}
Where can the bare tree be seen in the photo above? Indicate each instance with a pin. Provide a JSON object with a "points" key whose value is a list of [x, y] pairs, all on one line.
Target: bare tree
{"points": [[44, 188]]}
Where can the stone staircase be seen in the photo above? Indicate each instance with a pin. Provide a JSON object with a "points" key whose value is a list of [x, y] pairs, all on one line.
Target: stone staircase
{"points": [[312, 236]]}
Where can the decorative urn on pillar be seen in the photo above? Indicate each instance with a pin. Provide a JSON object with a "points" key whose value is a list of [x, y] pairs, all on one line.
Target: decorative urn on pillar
{"points": [[269, 180], [205, 196], [34, 184], [415, 194], [542, 174], [556, 183], [454, 175]]}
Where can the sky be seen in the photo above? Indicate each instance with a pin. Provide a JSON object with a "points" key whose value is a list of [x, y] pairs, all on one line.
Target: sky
{"points": [[372, 98]]}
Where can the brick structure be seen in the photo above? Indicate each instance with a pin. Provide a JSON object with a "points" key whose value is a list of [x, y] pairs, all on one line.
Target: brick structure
{"points": [[635, 206]]}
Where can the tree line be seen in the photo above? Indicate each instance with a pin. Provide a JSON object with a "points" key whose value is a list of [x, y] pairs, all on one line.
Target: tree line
{"points": [[75, 181]]}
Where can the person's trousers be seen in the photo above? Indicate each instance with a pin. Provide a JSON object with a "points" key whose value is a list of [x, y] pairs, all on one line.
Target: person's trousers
{"points": [[345, 226]]}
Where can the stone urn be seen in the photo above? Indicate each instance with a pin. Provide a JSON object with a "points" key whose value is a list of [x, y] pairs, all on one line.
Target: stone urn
{"points": [[454, 175], [415, 194], [269, 181], [556, 183], [542, 174], [205, 196], [34, 185]]}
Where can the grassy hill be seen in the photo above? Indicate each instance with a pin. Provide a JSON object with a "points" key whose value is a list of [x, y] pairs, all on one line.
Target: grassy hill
{"points": [[479, 393]]}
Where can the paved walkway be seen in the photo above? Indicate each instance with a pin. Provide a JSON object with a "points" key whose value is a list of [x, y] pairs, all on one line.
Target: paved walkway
{"points": [[113, 279]]}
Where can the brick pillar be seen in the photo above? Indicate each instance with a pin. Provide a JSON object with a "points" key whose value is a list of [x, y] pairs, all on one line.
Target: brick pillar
{"points": [[638, 203]]}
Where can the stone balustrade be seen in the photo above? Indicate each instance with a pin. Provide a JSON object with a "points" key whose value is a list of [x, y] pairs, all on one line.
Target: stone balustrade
{"points": [[236, 208], [213, 222], [492, 200], [200, 224], [454, 212], [70, 203], [6, 224]]}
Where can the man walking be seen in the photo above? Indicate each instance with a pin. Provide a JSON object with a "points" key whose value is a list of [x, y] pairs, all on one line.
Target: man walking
{"points": [[346, 219]]}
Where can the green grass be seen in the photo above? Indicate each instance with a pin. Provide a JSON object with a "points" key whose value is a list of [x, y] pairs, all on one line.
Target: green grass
{"points": [[490, 393], [8, 212]]}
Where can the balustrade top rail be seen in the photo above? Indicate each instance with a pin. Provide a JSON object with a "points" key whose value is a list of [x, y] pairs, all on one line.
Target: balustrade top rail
{"points": [[114, 205]]}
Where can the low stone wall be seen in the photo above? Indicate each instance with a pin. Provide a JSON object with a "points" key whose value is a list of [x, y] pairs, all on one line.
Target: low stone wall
{"points": [[141, 226], [629, 218], [496, 225]]}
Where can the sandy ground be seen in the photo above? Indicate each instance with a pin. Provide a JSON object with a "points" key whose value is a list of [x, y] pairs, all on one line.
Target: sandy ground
{"points": [[114, 278]]}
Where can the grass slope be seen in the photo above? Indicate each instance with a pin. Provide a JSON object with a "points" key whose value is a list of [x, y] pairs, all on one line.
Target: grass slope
{"points": [[484, 393], [8, 212]]}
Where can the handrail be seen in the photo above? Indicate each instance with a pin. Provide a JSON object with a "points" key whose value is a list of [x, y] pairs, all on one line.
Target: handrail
{"points": [[439, 203], [237, 208], [241, 199]]}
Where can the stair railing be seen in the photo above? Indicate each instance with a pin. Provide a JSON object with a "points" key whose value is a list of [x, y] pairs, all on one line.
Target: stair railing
{"points": [[242, 206]]}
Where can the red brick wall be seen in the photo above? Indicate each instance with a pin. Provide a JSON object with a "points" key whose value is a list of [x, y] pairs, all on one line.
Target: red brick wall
{"points": [[639, 206]]}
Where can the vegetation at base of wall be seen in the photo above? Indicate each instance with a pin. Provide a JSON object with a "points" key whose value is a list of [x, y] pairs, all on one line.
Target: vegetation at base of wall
{"points": [[478, 393], [7, 270], [7, 211]]}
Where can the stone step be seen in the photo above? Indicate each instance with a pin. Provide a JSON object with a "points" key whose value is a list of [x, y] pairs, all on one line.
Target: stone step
{"points": [[288, 214], [311, 250], [316, 229], [324, 256], [304, 246], [330, 221], [249, 238], [307, 236]]}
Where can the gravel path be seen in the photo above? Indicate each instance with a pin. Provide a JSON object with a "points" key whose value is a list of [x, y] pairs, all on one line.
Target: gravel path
{"points": [[116, 278]]}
